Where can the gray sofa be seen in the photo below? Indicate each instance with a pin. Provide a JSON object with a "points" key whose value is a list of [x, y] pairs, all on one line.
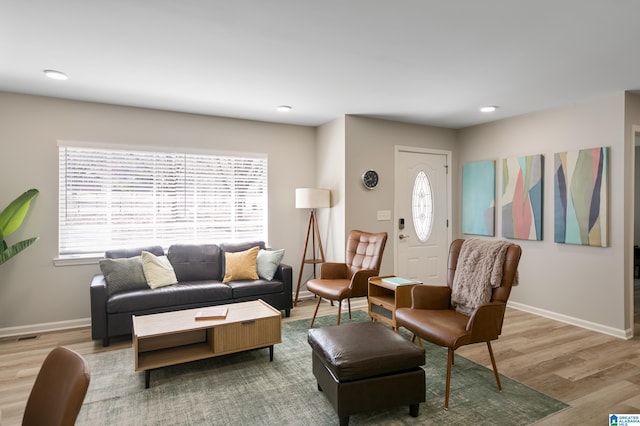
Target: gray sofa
{"points": [[199, 270]]}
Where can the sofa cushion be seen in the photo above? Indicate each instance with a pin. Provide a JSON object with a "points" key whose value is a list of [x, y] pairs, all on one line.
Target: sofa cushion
{"points": [[184, 293], [267, 263], [157, 270], [242, 289], [132, 252], [240, 265], [123, 274], [235, 247], [196, 262]]}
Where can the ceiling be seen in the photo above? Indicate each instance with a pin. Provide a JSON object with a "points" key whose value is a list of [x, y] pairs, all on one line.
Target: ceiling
{"points": [[431, 62]]}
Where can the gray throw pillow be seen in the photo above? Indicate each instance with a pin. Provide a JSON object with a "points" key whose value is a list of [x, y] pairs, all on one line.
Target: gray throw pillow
{"points": [[267, 263], [123, 274]]}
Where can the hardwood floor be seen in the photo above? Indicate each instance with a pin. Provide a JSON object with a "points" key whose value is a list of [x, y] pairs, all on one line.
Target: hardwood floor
{"points": [[595, 374]]}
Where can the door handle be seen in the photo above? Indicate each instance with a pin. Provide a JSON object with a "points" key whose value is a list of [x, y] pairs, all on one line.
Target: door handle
{"points": [[402, 236]]}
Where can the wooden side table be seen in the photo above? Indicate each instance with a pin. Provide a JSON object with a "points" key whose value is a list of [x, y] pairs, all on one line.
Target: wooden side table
{"points": [[386, 297]]}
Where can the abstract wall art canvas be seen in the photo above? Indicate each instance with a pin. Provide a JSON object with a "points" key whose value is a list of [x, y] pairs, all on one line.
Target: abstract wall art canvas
{"points": [[478, 197], [522, 184], [581, 197]]}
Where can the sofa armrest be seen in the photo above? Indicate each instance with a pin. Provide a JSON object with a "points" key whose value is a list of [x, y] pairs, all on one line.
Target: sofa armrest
{"points": [[284, 273], [98, 294]]}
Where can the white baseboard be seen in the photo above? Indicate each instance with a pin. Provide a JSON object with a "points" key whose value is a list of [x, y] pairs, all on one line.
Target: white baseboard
{"points": [[615, 332], [359, 302], [356, 302], [27, 330], [32, 329], [304, 295]]}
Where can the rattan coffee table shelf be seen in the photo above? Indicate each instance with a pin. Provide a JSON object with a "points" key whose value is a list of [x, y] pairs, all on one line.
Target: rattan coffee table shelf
{"points": [[170, 338]]}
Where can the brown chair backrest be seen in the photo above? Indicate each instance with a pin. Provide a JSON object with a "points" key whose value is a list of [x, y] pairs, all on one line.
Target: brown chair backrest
{"points": [[59, 390], [500, 294], [364, 251]]}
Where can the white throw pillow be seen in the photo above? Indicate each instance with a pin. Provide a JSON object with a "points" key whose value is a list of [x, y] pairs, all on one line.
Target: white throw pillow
{"points": [[157, 270]]}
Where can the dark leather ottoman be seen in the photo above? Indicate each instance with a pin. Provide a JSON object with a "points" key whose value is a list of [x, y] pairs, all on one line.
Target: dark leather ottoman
{"points": [[367, 366]]}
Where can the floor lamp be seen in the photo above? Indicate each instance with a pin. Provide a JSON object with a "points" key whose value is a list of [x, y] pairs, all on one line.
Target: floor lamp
{"points": [[311, 198]]}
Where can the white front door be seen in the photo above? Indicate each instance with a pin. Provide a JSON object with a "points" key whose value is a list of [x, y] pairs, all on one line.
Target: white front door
{"points": [[422, 214]]}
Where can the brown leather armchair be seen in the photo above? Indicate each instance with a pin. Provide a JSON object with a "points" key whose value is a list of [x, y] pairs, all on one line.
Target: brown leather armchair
{"points": [[339, 281], [59, 390], [433, 318]]}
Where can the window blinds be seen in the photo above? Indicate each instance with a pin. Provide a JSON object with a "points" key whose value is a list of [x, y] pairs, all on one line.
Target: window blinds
{"points": [[113, 198]]}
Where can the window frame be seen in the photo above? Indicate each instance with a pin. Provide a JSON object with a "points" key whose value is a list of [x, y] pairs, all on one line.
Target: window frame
{"points": [[190, 175], [422, 211]]}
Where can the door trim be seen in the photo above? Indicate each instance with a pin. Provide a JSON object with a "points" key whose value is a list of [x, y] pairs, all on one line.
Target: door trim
{"points": [[418, 150]]}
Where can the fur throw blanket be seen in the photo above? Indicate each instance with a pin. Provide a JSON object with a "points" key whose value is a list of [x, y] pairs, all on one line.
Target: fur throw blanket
{"points": [[478, 272]]}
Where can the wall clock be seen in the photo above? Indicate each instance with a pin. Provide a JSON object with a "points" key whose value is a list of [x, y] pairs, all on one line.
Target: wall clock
{"points": [[370, 179]]}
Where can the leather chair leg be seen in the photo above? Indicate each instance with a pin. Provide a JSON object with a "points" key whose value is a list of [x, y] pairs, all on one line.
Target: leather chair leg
{"points": [[495, 368], [448, 385], [315, 312], [413, 339], [339, 310]]}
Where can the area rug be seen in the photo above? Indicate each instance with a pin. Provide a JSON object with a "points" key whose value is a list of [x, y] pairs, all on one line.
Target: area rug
{"points": [[247, 389]]}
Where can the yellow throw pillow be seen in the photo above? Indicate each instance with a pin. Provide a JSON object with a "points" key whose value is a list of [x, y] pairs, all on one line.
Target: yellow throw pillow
{"points": [[240, 265]]}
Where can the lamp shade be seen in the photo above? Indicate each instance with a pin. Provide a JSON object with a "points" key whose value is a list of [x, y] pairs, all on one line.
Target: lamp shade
{"points": [[312, 198]]}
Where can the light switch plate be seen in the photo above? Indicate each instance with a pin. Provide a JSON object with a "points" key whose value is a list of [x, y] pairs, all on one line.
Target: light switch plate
{"points": [[384, 214]]}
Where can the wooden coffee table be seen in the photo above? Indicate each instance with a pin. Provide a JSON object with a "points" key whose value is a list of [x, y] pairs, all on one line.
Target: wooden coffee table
{"points": [[170, 338]]}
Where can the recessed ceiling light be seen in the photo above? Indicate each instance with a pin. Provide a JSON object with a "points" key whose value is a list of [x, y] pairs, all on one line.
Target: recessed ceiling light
{"points": [[488, 108], [56, 75], [283, 108]]}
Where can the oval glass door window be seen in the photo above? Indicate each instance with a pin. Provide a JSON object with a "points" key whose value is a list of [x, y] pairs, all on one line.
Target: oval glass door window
{"points": [[422, 206]]}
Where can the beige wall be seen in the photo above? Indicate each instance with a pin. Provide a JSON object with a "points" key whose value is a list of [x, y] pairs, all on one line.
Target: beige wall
{"points": [[330, 163], [636, 233], [631, 133], [587, 286], [32, 290], [583, 285], [346, 148], [370, 144]]}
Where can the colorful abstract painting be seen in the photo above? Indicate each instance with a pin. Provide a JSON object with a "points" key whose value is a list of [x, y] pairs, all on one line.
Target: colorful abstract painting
{"points": [[522, 197], [478, 197], [581, 197]]}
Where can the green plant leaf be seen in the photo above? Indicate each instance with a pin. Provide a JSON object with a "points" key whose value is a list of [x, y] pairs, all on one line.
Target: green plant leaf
{"points": [[12, 216], [15, 249]]}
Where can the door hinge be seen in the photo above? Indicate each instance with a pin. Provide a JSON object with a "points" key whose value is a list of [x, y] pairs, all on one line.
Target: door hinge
{"points": [[447, 223], [446, 168]]}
